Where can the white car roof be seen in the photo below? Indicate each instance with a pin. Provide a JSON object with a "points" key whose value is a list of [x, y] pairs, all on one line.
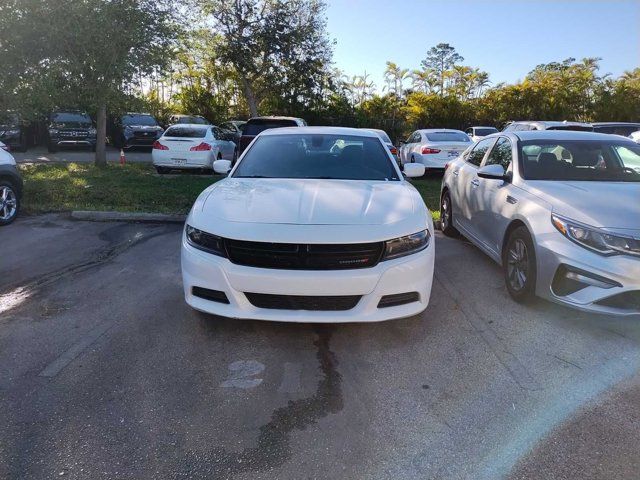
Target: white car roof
{"points": [[356, 132], [194, 125], [439, 130], [561, 135]]}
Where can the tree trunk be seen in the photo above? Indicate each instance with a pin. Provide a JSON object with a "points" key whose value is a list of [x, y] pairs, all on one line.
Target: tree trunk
{"points": [[101, 137], [249, 96]]}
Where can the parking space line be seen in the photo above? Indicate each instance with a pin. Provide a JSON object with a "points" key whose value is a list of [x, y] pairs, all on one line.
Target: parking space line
{"points": [[508, 359], [72, 352]]}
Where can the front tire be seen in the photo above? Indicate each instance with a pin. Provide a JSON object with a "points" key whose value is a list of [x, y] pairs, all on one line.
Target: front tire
{"points": [[9, 202], [446, 216], [519, 265]]}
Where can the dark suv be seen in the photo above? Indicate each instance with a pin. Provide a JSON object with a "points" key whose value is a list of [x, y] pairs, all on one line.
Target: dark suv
{"points": [[135, 130], [256, 125], [70, 129], [190, 119], [13, 132]]}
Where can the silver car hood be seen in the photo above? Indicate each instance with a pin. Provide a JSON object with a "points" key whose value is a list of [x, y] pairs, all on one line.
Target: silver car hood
{"points": [[611, 205]]}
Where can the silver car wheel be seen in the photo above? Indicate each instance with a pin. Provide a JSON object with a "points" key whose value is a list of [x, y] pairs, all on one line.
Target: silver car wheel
{"points": [[8, 203], [517, 265]]}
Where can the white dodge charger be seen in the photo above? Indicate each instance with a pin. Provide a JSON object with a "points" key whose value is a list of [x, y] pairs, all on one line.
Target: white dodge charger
{"points": [[313, 224]]}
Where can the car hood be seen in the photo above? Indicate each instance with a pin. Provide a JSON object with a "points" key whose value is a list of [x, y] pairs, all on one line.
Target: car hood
{"points": [[611, 205], [310, 202]]}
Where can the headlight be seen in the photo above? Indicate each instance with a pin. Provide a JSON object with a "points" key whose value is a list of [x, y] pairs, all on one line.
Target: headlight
{"points": [[596, 239], [12, 132], [399, 247], [53, 131], [205, 241]]}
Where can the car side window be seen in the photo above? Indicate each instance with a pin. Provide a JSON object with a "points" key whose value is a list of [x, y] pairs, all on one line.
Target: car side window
{"points": [[501, 154], [476, 155]]}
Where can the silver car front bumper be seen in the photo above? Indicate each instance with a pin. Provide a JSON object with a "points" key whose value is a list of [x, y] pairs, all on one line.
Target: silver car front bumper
{"points": [[574, 276]]}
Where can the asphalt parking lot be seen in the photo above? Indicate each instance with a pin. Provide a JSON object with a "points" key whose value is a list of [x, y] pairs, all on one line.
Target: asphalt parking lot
{"points": [[40, 154], [105, 372]]}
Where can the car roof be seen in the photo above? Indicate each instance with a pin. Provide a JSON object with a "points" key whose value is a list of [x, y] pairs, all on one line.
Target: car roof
{"points": [[275, 118], [439, 130], [615, 124], [194, 125], [482, 126], [553, 123], [560, 135], [357, 132]]}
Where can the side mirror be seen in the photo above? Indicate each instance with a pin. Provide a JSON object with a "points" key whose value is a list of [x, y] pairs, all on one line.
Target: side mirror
{"points": [[413, 170], [492, 172], [222, 166]]}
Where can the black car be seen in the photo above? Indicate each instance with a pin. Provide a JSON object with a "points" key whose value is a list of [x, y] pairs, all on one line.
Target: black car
{"points": [[135, 130], [255, 125], [70, 129], [13, 132]]}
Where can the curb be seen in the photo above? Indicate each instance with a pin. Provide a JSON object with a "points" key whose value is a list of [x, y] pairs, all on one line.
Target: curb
{"points": [[98, 216]]}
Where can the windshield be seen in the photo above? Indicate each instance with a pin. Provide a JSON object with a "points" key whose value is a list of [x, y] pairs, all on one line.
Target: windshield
{"points": [[483, 132], [580, 160], [186, 132], [70, 118], [146, 120], [254, 127], [447, 137], [340, 157]]}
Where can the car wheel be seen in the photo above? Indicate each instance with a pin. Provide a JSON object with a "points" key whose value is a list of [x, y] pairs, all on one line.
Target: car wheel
{"points": [[9, 202], [519, 265], [446, 216]]}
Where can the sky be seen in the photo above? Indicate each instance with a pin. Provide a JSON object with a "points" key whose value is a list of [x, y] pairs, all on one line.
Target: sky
{"points": [[506, 38]]}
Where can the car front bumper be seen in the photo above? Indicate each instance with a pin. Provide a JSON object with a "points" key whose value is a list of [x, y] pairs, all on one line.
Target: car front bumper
{"points": [[599, 284], [413, 273]]}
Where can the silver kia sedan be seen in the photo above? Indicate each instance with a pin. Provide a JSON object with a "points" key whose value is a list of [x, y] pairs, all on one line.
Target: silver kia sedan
{"points": [[559, 210]]}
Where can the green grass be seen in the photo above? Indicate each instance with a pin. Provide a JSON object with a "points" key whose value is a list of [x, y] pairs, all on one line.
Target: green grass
{"points": [[133, 187]]}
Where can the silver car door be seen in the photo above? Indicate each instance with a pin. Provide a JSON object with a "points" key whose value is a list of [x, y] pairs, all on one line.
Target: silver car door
{"points": [[493, 204], [467, 184]]}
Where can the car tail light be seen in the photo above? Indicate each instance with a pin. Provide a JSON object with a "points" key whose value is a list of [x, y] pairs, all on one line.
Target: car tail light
{"points": [[394, 151], [158, 146], [428, 150], [201, 148]]}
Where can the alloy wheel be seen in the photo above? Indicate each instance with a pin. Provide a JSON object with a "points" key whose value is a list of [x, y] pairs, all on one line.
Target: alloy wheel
{"points": [[517, 265], [8, 203]]}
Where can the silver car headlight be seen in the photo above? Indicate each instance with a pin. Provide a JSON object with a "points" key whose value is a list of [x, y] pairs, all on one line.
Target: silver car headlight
{"points": [[596, 239], [400, 247]]}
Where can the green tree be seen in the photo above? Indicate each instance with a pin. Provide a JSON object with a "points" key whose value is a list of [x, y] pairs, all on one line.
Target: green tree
{"points": [[82, 53], [441, 59], [274, 46]]}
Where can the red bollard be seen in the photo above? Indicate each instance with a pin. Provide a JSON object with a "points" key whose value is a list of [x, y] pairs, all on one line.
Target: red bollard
{"points": [[122, 159]]}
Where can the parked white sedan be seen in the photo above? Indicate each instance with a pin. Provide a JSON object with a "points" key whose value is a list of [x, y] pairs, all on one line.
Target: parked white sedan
{"points": [[191, 146], [313, 224], [434, 147]]}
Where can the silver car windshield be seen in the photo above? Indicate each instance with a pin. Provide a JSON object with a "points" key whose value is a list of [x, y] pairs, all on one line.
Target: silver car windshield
{"points": [[580, 160]]}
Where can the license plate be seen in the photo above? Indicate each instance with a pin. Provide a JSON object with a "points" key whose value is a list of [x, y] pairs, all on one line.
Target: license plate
{"points": [[453, 153], [179, 161]]}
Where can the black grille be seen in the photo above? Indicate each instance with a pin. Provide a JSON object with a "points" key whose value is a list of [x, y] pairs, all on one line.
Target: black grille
{"points": [[303, 302], [292, 256], [623, 301]]}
